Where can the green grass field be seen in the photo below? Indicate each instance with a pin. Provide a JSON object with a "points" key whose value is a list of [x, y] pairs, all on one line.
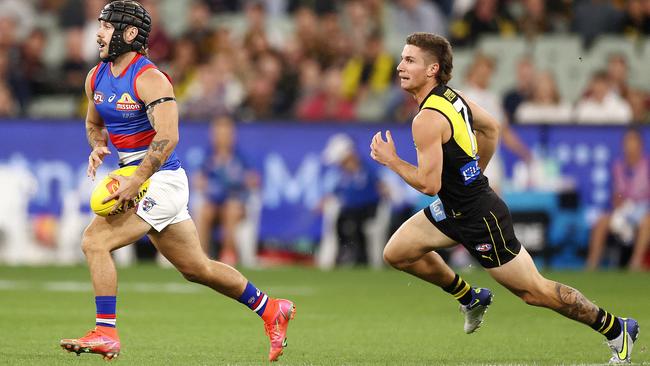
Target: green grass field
{"points": [[345, 317]]}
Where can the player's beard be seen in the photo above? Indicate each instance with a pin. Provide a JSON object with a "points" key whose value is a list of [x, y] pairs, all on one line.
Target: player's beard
{"points": [[103, 52]]}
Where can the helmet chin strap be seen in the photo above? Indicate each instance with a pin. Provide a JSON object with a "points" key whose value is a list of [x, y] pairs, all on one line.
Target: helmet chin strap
{"points": [[117, 46]]}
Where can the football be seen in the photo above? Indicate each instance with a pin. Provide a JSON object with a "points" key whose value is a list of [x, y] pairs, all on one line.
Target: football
{"points": [[108, 186]]}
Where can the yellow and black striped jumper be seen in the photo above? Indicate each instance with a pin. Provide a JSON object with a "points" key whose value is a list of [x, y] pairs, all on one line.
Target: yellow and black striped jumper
{"points": [[466, 209]]}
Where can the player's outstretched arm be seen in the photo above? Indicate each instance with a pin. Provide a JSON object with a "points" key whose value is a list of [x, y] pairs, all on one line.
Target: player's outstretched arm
{"points": [[96, 132], [487, 133], [157, 93], [426, 176]]}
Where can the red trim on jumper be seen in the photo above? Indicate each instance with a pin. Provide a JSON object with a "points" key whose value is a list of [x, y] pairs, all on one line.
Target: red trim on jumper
{"points": [[167, 76], [133, 60], [135, 78], [93, 77], [140, 139]]}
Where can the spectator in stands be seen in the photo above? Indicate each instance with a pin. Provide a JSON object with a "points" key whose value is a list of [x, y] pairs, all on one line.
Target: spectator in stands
{"points": [[8, 106], [263, 98], [358, 192], [8, 40], [215, 90], [476, 88], [318, 7], [14, 81], [546, 105], [159, 43], [23, 14], [357, 24], [618, 76], [600, 105], [376, 11], [594, 17], [328, 103], [307, 34], [487, 17], [409, 16], [617, 73], [89, 46], [183, 66], [224, 6], [630, 208], [339, 45], [225, 181], [70, 13], [367, 78], [32, 63], [310, 83], [523, 90], [636, 21], [199, 29], [222, 40], [285, 83], [363, 16], [535, 20], [74, 67], [256, 44], [639, 102], [257, 21]]}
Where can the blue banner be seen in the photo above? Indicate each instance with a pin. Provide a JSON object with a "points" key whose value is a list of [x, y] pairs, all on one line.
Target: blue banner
{"points": [[288, 157]]}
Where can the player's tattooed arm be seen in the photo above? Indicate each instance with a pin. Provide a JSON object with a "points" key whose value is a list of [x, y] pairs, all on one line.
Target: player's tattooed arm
{"points": [[156, 150], [574, 305], [96, 132], [152, 118], [96, 136], [157, 94], [156, 155]]}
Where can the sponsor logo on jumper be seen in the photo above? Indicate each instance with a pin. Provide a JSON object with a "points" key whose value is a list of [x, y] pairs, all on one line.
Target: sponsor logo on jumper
{"points": [[98, 97], [470, 171], [127, 103], [449, 94], [437, 210]]}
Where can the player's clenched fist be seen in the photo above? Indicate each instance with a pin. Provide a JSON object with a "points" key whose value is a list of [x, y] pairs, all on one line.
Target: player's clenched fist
{"points": [[383, 151], [95, 159]]}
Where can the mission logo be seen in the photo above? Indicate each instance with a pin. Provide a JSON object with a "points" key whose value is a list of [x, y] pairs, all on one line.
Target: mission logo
{"points": [[127, 104]]}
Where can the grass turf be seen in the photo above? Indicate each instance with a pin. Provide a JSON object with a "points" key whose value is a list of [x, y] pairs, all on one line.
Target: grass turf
{"points": [[344, 317]]}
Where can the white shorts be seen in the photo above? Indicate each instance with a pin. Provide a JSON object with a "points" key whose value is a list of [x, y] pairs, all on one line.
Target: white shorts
{"points": [[166, 200]]}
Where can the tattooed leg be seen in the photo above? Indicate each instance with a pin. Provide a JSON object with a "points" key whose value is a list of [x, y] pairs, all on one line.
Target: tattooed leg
{"points": [[574, 305], [522, 278]]}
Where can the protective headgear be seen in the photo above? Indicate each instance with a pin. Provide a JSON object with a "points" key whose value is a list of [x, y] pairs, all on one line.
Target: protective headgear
{"points": [[121, 14]]}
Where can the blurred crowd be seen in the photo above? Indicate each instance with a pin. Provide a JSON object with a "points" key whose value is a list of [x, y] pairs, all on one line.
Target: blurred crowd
{"points": [[305, 60]]}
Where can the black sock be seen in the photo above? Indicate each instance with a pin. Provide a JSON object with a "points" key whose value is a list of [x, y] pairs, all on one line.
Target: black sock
{"points": [[460, 290], [607, 324]]}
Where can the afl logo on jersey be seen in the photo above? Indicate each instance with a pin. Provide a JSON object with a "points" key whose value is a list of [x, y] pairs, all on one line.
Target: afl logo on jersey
{"points": [[126, 104], [485, 247], [98, 97]]}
